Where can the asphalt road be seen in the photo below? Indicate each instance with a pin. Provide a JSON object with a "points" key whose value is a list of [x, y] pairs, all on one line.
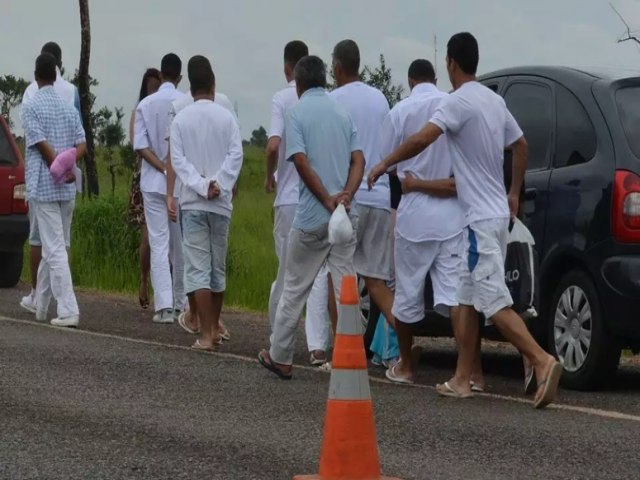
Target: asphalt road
{"points": [[124, 399]]}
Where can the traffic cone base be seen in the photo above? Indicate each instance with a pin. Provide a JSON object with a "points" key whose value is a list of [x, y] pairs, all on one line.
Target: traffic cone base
{"points": [[318, 477]]}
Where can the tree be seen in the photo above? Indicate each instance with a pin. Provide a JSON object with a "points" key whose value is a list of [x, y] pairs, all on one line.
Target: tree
{"points": [[628, 35], [86, 100], [380, 78], [110, 135], [11, 90], [259, 137]]}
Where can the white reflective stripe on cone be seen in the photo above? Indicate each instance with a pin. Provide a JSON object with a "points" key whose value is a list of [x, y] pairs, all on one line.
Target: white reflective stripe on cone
{"points": [[349, 385], [349, 320]]}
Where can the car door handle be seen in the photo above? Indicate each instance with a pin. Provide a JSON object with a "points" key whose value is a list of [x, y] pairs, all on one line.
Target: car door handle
{"points": [[530, 194]]}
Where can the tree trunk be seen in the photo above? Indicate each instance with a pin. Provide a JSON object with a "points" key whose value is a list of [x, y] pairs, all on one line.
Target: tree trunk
{"points": [[85, 99]]}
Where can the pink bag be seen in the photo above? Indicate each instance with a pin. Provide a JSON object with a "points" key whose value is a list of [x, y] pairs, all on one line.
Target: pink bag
{"points": [[65, 162]]}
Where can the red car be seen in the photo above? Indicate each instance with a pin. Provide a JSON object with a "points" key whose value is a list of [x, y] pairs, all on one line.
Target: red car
{"points": [[14, 221]]}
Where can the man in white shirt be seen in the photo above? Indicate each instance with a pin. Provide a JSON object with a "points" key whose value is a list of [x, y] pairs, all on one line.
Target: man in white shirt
{"points": [[69, 93], [479, 127], [428, 233], [188, 319], [286, 202], [206, 153], [368, 108], [150, 129]]}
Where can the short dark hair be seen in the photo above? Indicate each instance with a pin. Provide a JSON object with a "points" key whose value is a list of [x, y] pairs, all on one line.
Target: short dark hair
{"points": [[422, 70], [150, 73], [46, 67], [171, 66], [347, 54], [54, 49], [310, 72], [201, 76], [463, 49], [294, 51]]}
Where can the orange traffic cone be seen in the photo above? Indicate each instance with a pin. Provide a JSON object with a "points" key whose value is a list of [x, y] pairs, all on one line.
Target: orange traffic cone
{"points": [[349, 447]]}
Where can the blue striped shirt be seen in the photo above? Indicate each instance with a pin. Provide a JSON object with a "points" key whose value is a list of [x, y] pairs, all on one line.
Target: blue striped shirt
{"points": [[47, 117]]}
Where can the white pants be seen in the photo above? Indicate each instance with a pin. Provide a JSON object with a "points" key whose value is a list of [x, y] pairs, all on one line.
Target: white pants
{"points": [[317, 318], [165, 240], [308, 252], [54, 274]]}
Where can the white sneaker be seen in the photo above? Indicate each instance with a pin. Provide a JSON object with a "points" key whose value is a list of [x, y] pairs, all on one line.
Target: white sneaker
{"points": [[164, 316], [71, 322], [29, 303]]}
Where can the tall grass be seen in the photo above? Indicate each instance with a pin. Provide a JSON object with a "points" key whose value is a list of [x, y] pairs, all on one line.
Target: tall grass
{"points": [[104, 247]]}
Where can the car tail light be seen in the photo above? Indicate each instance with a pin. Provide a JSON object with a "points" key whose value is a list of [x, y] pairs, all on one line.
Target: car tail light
{"points": [[626, 207], [20, 198]]}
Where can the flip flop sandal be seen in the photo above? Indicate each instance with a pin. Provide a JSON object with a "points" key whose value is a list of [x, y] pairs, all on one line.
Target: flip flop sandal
{"points": [[447, 390], [529, 382], [203, 348], [182, 321], [225, 335], [476, 388], [392, 376], [273, 368], [549, 386]]}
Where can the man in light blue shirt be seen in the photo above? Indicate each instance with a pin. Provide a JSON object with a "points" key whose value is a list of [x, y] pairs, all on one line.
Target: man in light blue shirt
{"points": [[322, 144], [52, 126]]}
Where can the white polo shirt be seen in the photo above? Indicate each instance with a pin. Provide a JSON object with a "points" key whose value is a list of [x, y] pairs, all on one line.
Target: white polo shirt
{"points": [[206, 146], [287, 178], [368, 108], [422, 217], [150, 131], [479, 127]]}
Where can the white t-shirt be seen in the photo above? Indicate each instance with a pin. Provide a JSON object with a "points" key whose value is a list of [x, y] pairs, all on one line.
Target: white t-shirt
{"points": [[287, 176], [180, 104], [479, 127], [66, 90], [368, 108], [150, 131], [206, 146], [422, 217]]}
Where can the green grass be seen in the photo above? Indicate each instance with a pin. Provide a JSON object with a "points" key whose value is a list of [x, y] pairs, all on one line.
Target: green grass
{"points": [[104, 246]]}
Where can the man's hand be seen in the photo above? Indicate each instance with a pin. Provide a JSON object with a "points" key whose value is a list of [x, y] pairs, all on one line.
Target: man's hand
{"points": [[69, 177], [171, 208], [344, 198], [376, 172], [409, 183], [514, 204], [270, 184], [214, 191]]}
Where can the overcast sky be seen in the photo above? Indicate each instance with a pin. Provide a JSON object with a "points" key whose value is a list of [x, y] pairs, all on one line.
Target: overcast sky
{"points": [[244, 38]]}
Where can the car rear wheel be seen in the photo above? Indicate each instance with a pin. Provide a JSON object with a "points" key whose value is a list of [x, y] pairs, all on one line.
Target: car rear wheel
{"points": [[578, 336], [12, 268]]}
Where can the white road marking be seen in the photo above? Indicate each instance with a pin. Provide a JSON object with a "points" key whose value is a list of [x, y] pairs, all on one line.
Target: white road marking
{"points": [[609, 414]]}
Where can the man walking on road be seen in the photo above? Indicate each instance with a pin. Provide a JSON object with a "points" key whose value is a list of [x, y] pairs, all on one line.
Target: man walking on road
{"points": [[428, 234], [51, 127], [206, 153], [69, 93], [479, 127], [368, 108], [322, 143], [150, 129], [316, 321]]}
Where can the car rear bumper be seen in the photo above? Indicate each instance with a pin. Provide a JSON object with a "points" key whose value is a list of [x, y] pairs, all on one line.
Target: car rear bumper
{"points": [[14, 231], [621, 295]]}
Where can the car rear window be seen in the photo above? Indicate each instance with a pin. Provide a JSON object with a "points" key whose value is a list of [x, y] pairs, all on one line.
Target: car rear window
{"points": [[7, 154], [628, 100]]}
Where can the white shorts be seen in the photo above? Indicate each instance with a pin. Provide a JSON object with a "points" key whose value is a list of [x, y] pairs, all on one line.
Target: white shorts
{"points": [[482, 284], [373, 243], [414, 260]]}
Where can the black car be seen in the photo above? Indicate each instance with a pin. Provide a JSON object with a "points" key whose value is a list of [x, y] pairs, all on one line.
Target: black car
{"points": [[582, 205], [14, 222]]}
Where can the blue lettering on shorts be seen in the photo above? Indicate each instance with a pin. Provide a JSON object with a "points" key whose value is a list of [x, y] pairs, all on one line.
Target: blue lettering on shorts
{"points": [[473, 251]]}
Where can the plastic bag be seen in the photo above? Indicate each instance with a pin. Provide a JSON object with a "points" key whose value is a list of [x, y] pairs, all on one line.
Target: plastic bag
{"points": [[340, 227], [385, 342], [521, 267]]}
